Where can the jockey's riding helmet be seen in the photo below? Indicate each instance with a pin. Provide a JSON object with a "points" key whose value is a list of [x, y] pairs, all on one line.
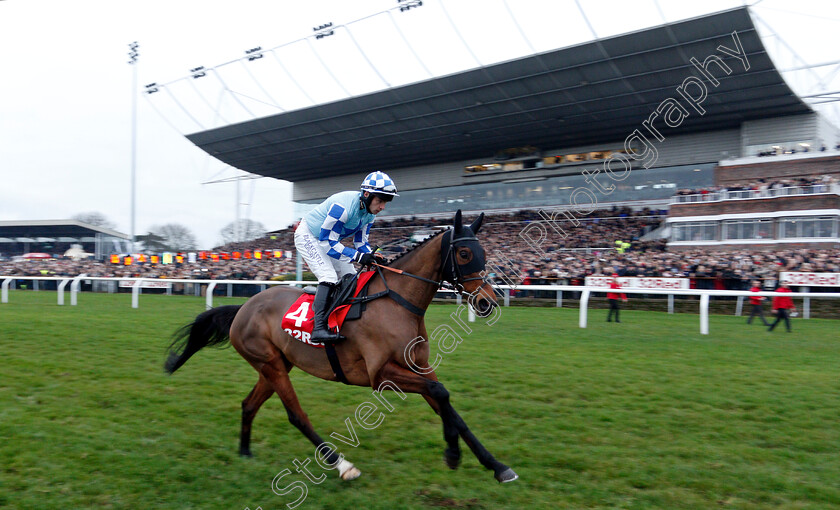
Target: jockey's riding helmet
{"points": [[381, 185]]}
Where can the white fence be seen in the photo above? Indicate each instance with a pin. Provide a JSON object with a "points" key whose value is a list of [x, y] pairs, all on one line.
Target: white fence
{"points": [[585, 293], [136, 287]]}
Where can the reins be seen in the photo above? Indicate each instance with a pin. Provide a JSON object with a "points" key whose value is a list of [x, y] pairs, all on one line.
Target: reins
{"points": [[448, 264], [408, 305], [405, 273]]}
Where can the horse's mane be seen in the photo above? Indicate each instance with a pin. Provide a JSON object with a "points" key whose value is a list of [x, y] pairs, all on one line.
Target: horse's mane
{"points": [[417, 246]]}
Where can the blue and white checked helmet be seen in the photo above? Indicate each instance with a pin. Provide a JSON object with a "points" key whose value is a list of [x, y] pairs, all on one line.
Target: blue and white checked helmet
{"points": [[379, 182]]}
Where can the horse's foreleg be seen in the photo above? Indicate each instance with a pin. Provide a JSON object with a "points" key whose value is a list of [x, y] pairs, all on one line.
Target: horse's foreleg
{"points": [[261, 392], [452, 454], [441, 395], [278, 377], [453, 425], [502, 472]]}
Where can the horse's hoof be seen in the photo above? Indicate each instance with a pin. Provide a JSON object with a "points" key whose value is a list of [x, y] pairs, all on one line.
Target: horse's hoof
{"points": [[508, 475], [246, 454], [452, 459], [351, 474], [346, 470]]}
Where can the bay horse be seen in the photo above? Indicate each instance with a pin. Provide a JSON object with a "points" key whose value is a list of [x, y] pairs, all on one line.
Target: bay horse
{"points": [[380, 349]]}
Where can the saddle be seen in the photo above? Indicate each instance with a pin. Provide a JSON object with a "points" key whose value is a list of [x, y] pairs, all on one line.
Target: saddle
{"points": [[350, 286], [347, 304]]}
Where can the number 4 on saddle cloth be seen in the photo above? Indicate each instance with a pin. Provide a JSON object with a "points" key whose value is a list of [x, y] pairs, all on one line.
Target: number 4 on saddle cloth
{"points": [[298, 320]]}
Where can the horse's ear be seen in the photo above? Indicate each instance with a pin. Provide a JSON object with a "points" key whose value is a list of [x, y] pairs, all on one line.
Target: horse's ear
{"points": [[476, 225], [458, 224]]}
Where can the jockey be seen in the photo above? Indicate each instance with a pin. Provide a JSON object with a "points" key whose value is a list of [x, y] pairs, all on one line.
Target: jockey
{"points": [[318, 236]]}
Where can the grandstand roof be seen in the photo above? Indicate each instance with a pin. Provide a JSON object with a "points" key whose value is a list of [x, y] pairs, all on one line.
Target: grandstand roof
{"points": [[60, 230], [591, 93]]}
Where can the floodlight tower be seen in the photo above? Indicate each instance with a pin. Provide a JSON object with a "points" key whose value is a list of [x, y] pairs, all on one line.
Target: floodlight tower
{"points": [[133, 54]]}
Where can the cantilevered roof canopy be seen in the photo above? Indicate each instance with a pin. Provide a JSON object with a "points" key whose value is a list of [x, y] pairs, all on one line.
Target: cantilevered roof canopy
{"points": [[587, 94], [61, 230]]}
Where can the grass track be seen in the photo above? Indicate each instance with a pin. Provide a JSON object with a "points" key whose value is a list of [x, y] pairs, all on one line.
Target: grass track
{"points": [[646, 414]]}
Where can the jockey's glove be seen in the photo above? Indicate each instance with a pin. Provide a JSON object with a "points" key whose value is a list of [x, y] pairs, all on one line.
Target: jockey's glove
{"points": [[366, 259]]}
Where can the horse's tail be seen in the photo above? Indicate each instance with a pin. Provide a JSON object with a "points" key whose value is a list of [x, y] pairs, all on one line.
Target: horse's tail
{"points": [[209, 328]]}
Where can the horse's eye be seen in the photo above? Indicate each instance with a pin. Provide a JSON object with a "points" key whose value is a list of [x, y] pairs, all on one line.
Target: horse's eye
{"points": [[464, 254]]}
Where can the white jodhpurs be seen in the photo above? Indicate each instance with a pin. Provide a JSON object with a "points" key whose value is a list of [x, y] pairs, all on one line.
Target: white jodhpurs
{"points": [[324, 267]]}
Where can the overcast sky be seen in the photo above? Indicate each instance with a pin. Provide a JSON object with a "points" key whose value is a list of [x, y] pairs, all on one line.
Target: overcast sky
{"points": [[66, 89]]}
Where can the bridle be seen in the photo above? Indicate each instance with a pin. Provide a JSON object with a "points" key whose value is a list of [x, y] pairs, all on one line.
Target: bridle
{"points": [[451, 271]]}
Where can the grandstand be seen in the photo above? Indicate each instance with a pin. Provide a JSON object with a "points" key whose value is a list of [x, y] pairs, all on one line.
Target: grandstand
{"points": [[55, 237], [529, 133], [692, 118]]}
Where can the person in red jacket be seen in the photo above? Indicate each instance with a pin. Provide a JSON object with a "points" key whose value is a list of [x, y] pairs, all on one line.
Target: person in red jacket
{"points": [[757, 304], [782, 304], [613, 298]]}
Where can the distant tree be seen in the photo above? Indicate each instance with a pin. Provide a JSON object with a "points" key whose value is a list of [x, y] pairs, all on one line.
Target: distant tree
{"points": [[97, 219], [248, 230], [169, 237], [153, 243]]}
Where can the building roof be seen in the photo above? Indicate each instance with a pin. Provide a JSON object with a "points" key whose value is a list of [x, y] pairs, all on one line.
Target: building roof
{"points": [[591, 93], [54, 230]]}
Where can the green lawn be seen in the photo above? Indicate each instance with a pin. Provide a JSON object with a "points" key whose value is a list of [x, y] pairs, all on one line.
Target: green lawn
{"points": [[646, 414]]}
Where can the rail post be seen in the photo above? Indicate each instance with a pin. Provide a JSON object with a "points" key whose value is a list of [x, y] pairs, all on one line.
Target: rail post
{"points": [[584, 302], [60, 292], [208, 298], [704, 314], [5, 290], [74, 289], [806, 304], [135, 293]]}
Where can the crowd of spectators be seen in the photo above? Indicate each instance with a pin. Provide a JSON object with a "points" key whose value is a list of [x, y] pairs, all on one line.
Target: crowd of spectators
{"points": [[765, 184], [243, 269], [602, 243], [731, 270], [774, 151]]}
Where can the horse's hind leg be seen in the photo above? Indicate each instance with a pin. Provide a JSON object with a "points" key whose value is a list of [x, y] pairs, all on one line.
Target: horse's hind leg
{"points": [[261, 392], [428, 386], [278, 377]]}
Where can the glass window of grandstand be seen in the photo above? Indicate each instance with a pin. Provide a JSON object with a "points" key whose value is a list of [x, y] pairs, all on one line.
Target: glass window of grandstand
{"points": [[809, 227], [694, 231], [547, 191], [748, 229], [779, 148]]}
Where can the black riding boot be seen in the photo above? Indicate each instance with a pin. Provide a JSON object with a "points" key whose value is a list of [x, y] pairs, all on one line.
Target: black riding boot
{"points": [[320, 332]]}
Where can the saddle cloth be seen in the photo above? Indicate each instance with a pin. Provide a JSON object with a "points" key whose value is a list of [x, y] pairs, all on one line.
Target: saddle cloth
{"points": [[298, 320]]}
